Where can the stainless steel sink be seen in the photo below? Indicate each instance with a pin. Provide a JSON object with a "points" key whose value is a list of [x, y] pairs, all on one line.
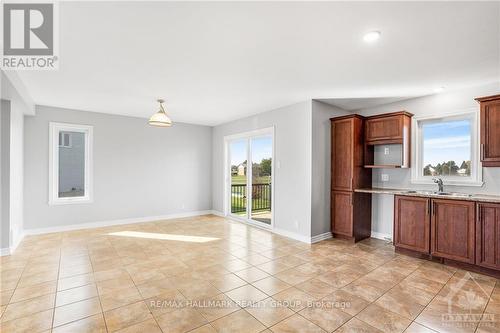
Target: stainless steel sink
{"points": [[450, 194]]}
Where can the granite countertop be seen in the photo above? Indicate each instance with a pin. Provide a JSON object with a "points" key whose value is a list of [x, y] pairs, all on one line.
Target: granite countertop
{"points": [[429, 194]]}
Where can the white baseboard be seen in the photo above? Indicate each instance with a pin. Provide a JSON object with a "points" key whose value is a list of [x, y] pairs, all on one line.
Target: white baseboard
{"points": [[321, 237], [382, 236], [218, 213], [109, 223], [292, 235], [9, 250]]}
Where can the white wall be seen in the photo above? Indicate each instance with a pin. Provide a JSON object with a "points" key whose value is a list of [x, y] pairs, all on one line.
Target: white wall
{"points": [[382, 207], [139, 170], [12, 154], [292, 178], [321, 158]]}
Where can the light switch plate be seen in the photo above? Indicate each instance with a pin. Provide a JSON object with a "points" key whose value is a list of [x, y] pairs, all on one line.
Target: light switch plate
{"points": [[385, 177]]}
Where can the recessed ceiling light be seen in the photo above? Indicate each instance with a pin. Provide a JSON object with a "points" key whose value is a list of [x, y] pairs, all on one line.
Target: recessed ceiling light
{"points": [[438, 89], [371, 36]]}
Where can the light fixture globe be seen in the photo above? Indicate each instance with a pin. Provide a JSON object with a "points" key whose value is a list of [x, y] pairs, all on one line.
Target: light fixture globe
{"points": [[160, 118]]}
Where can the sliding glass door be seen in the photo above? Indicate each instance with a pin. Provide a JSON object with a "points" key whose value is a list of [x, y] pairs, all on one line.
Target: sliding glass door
{"points": [[250, 159]]}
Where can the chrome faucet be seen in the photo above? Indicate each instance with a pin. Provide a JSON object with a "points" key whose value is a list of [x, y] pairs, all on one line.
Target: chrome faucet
{"points": [[439, 181]]}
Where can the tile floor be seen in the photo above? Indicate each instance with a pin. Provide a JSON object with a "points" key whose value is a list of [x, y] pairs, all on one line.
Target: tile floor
{"points": [[208, 274]]}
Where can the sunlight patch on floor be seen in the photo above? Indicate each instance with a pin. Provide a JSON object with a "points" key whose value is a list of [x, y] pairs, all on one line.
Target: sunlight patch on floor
{"points": [[172, 237]]}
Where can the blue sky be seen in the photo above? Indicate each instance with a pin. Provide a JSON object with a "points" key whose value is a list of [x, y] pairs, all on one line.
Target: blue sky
{"points": [[261, 148], [447, 141]]}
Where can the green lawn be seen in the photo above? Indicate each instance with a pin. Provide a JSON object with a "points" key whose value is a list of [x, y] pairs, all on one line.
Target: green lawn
{"points": [[243, 180]]}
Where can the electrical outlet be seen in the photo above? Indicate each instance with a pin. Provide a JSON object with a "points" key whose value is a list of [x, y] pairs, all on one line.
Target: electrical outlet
{"points": [[386, 151], [385, 177]]}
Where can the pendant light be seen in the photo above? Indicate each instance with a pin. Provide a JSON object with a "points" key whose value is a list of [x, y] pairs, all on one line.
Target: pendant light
{"points": [[160, 118]]}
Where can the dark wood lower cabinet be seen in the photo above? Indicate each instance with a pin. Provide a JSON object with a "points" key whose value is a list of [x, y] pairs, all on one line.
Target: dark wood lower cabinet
{"points": [[412, 223], [453, 230], [351, 215], [341, 213], [488, 235]]}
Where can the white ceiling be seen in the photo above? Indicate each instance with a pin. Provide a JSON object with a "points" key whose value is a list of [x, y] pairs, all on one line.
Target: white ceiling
{"points": [[214, 62], [353, 104]]}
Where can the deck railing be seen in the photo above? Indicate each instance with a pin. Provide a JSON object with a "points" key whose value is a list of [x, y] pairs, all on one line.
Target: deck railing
{"points": [[261, 197]]}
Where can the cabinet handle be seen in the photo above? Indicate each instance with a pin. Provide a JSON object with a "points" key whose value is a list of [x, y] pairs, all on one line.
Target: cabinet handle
{"points": [[433, 209], [482, 151], [480, 214], [427, 208]]}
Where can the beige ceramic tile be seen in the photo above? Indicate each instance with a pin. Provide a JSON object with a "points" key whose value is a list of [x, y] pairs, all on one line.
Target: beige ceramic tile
{"points": [[240, 321], [115, 300], [126, 316], [294, 298], [147, 326], [28, 307], [384, 320], [215, 307], [316, 288], [271, 285], [269, 311], [74, 311], [357, 326], [75, 281], [76, 294], [327, 317], [93, 324], [181, 320], [38, 322], [246, 295], [296, 324], [251, 274]]}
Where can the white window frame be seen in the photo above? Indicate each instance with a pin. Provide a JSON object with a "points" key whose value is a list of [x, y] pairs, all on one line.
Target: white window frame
{"points": [[227, 174], [54, 129], [417, 174]]}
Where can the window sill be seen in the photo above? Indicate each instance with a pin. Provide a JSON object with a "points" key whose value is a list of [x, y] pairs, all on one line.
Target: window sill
{"points": [[449, 182], [59, 202]]}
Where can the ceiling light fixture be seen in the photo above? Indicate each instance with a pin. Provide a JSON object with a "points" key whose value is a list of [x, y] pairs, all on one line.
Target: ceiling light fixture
{"points": [[160, 118], [371, 36], [438, 89]]}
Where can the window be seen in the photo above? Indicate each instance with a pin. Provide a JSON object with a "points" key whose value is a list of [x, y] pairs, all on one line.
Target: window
{"points": [[70, 163], [446, 147]]}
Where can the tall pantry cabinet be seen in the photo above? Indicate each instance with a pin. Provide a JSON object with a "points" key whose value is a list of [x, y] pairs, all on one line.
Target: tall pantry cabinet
{"points": [[350, 211]]}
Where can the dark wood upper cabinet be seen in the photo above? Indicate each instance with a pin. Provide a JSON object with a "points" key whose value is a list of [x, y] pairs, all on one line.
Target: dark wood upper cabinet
{"points": [[389, 128], [412, 223], [347, 172], [490, 130], [452, 230], [488, 235]]}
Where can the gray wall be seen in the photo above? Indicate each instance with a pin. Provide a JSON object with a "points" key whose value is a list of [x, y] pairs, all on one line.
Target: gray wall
{"points": [[401, 178], [4, 174], [139, 170], [292, 178], [320, 195]]}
